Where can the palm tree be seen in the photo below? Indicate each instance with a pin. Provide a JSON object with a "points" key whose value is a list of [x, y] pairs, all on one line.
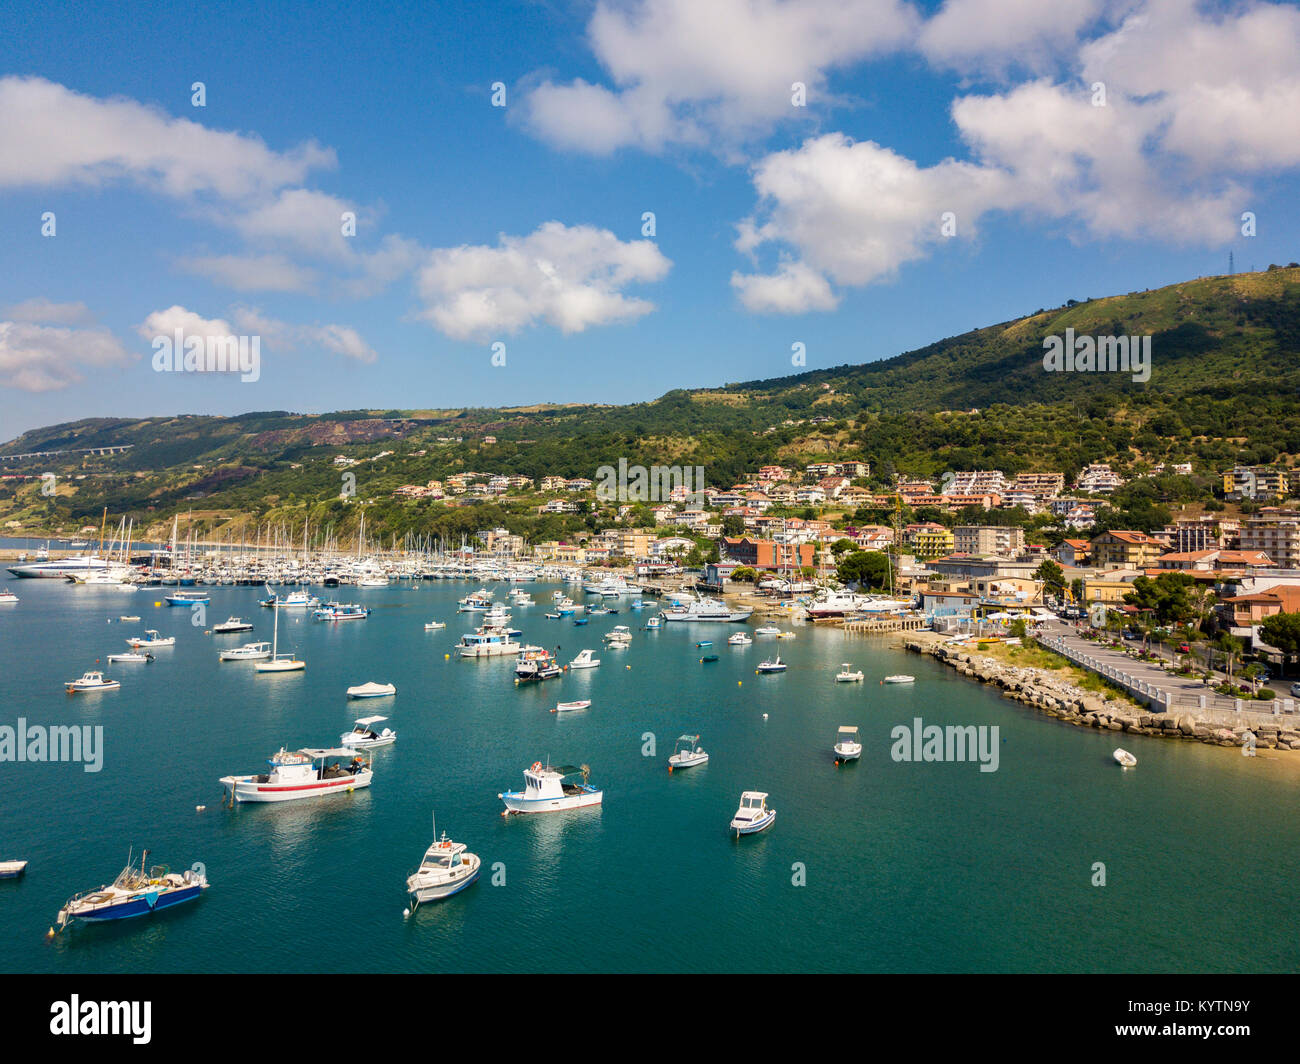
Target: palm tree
{"points": [[1231, 647]]}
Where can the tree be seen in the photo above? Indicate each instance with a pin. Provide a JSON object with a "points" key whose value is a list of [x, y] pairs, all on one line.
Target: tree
{"points": [[1167, 596], [733, 525], [1282, 630], [866, 568], [1052, 577], [842, 545], [744, 574], [1078, 589]]}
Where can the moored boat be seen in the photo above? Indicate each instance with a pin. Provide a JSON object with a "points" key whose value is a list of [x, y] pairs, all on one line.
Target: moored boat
{"points": [[771, 665], [1125, 759], [847, 747], [446, 868], [548, 790], [296, 774], [129, 658], [229, 627], [12, 869], [151, 640], [753, 814], [899, 678], [372, 690], [364, 737], [570, 707], [91, 681], [248, 652], [687, 752], [585, 660], [134, 892], [847, 674]]}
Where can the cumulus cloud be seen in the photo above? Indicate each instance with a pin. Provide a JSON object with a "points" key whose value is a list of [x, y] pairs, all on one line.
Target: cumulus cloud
{"points": [[47, 312], [708, 74], [997, 34], [250, 321], [252, 273], [571, 277], [41, 358]]}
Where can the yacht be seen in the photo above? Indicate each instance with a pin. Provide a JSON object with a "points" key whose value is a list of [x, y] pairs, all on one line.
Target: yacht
{"points": [[91, 681], [229, 627], [364, 737], [839, 603], [847, 747], [445, 869], [248, 652], [753, 814], [134, 892], [847, 675], [62, 569], [546, 790], [586, 659], [300, 774], [687, 752], [740, 639], [279, 662], [771, 665], [705, 609]]}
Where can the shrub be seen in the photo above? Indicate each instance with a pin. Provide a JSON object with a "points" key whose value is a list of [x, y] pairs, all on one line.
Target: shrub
{"points": [[1265, 694]]}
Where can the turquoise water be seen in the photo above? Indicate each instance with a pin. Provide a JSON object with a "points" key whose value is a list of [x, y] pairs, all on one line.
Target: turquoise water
{"points": [[931, 867]]}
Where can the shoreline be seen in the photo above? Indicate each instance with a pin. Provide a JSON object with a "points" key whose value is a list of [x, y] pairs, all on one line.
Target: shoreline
{"points": [[1065, 701]]}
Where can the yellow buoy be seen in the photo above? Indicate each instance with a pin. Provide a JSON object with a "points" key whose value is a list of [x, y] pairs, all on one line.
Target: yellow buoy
{"points": [[739, 682], [446, 657], [157, 603]]}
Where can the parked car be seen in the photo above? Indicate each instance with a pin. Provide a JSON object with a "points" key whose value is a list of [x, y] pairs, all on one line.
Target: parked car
{"points": [[1184, 649], [1295, 690]]}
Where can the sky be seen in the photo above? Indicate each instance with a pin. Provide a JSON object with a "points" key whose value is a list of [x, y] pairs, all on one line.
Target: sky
{"points": [[433, 205]]}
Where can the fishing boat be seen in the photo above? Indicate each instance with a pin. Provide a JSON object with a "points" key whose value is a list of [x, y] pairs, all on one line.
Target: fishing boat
{"points": [[229, 627], [188, 598], [135, 892], [847, 747], [772, 665], [848, 675], [584, 660], [445, 869], [91, 681], [364, 737], [476, 602], [740, 639], [12, 869], [687, 752], [151, 640], [248, 652], [434, 626], [1125, 759], [570, 707], [753, 814], [488, 641], [279, 662], [132, 658], [899, 678], [768, 629], [546, 790], [536, 663], [338, 611], [299, 774], [372, 690]]}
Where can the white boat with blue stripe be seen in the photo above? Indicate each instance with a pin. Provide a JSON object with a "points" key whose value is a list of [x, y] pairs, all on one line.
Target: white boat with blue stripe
{"points": [[753, 814], [552, 790]]}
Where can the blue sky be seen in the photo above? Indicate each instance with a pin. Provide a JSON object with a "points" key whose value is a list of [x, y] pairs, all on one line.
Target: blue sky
{"points": [[773, 223]]}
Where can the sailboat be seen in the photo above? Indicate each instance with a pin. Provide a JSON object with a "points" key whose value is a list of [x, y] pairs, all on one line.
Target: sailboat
{"points": [[279, 662]]}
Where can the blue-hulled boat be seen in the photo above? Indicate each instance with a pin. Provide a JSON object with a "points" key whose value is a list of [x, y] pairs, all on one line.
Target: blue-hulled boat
{"points": [[189, 598], [135, 892]]}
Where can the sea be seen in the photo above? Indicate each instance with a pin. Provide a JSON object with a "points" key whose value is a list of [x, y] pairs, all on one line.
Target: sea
{"points": [[1058, 861]]}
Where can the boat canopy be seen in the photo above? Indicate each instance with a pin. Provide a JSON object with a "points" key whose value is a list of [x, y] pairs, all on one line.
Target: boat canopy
{"points": [[367, 721], [851, 733], [688, 738], [337, 751]]}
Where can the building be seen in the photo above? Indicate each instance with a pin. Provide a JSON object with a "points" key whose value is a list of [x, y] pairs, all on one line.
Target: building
{"points": [[977, 482], [1125, 550], [1276, 533], [1098, 479], [988, 539], [1255, 482], [928, 540], [766, 553]]}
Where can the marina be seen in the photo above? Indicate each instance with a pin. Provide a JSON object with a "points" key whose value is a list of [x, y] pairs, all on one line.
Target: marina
{"points": [[910, 817]]}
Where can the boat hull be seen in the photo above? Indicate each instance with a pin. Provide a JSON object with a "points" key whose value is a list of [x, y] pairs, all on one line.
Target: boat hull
{"points": [[444, 889], [515, 802], [755, 826], [141, 905], [248, 789]]}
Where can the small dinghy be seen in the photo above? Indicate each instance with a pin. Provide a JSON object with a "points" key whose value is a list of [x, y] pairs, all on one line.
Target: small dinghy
{"points": [[132, 658], [569, 707], [705, 643], [129, 620], [900, 678], [372, 690], [708, 658], [1125, 759], [847, 747], [434, 626]]}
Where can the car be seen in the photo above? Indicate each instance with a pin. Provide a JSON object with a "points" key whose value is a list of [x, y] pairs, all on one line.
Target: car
{"points": [[1184, 649], [1295, 690]]}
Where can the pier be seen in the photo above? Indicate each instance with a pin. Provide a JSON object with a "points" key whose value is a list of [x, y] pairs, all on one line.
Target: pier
{"points": [[875, 625]]}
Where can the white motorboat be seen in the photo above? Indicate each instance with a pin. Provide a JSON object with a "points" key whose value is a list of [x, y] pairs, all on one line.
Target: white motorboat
{"points": [[899, 678], [150, 640], [687, 752], [279, 662], [767, 629], [91, 681], [248, 652], [372, 690], [1125, 759], [546, 790], [847, 747], [234, 624], [740, 639], [570, 707], [785, 635], [300, 774], [488, 642], [847, 674], [584, 660], [7, 596], [434, 626], [705, 609], [446, 869], [771, 665], [128, 619], [12, 869], [654, 621], [364, 737], [753, 814], [130, 658], [620, 634]]}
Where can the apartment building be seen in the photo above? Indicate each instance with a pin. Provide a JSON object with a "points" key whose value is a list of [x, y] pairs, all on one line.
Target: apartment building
{"points": [[928, 540], [1098, 479], [988, 539], [1276, 533], [1125, 550], [1256, 482]]}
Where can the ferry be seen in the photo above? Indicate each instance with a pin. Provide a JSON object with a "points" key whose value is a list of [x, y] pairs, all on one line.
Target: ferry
{"points": [[134, 892], [545, 790], [299, 774]]}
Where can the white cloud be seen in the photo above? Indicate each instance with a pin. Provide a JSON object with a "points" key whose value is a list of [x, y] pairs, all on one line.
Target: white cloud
{"points": [[52, 136], [41, 358], [568, 277], [708, 74], [252, 273], [250, 321], [167, 322], [1002, 33], [46, 312], [793, 289]]}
